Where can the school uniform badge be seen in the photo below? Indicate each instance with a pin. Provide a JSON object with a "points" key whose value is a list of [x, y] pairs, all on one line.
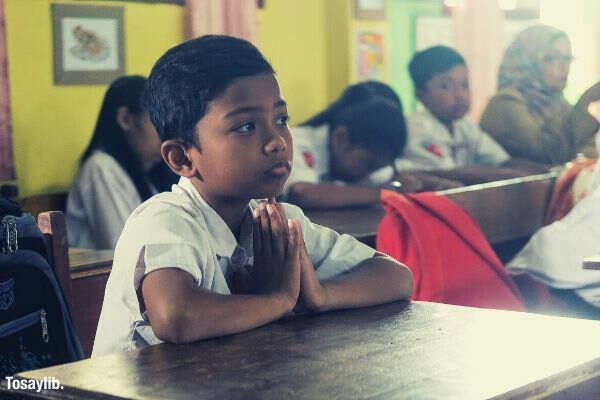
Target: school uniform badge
{"points": [[434, 149], [308, 159]]}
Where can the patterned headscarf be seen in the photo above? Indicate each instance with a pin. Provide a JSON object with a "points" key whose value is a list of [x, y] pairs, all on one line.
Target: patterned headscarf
{"points": [[521, 69]]}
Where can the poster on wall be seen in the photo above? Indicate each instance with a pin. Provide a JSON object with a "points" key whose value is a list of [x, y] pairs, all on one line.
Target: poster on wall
{"points": [[88, 44], [370, 56]]}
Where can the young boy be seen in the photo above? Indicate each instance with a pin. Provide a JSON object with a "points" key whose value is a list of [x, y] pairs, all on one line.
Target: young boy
{"points": [[206, 260], [336, 151], [440, 139]]}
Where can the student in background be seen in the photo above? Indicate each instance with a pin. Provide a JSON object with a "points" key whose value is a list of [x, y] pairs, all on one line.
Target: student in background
{"points": [[440, 139], [116, 168], [337, 150], [206, 260], [529, 115]]}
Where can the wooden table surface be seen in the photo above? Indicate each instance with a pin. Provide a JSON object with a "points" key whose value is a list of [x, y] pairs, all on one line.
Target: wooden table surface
{"points": [[504, 210], [399, 350], [83, 262]]}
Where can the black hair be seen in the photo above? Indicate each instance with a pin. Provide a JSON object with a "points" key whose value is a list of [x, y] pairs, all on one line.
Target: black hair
{"points": [[375, 124], [192, 74], [108, 136], [353, 94], [434, 60]]}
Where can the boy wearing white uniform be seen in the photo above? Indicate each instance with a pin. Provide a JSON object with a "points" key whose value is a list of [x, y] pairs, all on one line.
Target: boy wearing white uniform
{"points": [[440, 139], [206, 260], [335, 155]]}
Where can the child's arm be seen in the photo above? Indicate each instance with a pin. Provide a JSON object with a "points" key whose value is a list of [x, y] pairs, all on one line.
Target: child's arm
{"points": [[376, 280], [180, 312], [327, 195]]}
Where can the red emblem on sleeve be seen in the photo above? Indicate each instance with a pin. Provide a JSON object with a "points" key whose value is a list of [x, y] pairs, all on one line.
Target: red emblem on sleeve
{"points": [[435, 149], [308, 158]]}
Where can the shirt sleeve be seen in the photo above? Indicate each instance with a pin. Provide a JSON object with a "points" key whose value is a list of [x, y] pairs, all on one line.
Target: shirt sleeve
{"points": [[525, 134], [423, 150], [332, 254], [108, 201], [168, 239], [304, 168], [488, 151], [555, 253]]}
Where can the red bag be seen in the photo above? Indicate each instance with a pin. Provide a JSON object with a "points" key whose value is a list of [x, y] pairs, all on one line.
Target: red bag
{"points": [[449, 256]]}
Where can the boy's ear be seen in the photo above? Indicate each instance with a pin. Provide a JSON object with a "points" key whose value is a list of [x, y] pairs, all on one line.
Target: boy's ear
{"points": [[124, 118], [177, 156], [340, 138]]}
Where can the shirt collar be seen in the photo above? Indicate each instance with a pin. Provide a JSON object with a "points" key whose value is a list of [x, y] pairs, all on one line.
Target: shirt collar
{"points": [[222, 239], [458, 136]]}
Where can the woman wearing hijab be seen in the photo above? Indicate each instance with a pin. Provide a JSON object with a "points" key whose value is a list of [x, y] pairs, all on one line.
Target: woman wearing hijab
{"points": [[529, 116]]}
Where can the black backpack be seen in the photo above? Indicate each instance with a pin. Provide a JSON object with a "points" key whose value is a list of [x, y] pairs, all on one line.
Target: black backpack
{"points": [[36, 330]]}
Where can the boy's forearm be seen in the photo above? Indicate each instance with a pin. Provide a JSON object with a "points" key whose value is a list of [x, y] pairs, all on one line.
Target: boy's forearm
{"points": [[327, 195], [376, 280], [219, 315], [180, 312]]}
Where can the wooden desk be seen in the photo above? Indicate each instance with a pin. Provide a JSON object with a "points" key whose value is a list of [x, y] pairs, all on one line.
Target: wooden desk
{"points": [[504, 210], [416, 351]]}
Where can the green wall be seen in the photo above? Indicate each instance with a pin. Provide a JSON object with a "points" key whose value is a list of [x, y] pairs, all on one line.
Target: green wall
{"points": [[401, 17]]}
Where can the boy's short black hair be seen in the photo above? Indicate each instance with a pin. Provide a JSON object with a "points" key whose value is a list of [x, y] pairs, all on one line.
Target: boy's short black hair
{"points": [[190, 75], [432, 61], [376, 124]]}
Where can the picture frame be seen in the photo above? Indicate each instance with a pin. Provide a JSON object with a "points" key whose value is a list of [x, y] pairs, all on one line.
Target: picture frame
{"points": [[370, 55], [88, 44], [369, 9]]}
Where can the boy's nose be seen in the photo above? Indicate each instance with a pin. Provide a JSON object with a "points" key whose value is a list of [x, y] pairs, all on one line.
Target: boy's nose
{"points": [[276, 144]]}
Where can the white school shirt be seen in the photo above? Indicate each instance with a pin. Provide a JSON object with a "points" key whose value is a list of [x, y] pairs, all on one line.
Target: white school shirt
{"points": [[555, 253], [178, 229], [99, 202], [431, 146], [311, 159]]}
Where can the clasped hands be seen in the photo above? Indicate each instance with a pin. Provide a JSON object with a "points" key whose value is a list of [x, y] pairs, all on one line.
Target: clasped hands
{"points": [[282, 265]]}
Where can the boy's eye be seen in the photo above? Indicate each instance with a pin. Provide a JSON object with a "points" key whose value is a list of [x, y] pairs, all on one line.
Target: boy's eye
{"points": [[245, 128], [283, 120]]}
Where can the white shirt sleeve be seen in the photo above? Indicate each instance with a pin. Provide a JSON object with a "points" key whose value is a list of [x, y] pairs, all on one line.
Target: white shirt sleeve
{"points": [[555, 253], [425, 147], [103, 197], [332, 254], [306, 164], [170, 238], [488, 151]]}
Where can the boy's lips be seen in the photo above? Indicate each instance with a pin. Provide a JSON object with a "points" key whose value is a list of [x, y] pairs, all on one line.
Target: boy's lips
{"points": [[280, 168]]}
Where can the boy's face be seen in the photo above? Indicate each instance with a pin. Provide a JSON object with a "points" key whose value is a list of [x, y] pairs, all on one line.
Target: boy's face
{"points": [[244, 144], [352, 163], [447, 95]]}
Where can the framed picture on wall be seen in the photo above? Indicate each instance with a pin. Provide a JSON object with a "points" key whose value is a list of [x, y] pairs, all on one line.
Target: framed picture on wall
{"points": [[370, 56], [369, 9], [88, 44]]}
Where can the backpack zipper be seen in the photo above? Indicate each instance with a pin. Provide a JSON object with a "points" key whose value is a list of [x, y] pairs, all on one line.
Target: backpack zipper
{"points": [[9, 230], [45, 336]]}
